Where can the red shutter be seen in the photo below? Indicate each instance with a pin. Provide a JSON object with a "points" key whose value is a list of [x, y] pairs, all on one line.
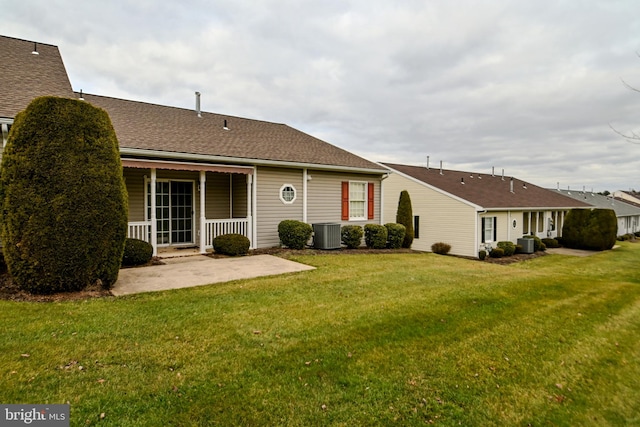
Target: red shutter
{"points": [[370, 204], [345, 201]]}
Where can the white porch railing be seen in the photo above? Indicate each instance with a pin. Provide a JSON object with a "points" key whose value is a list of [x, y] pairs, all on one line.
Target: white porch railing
{"points": [[217, 227], [213, 228], [139, 230]]}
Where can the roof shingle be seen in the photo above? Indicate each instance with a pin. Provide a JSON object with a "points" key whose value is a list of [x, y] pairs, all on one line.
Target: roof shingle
{"points": [[489, 191]]}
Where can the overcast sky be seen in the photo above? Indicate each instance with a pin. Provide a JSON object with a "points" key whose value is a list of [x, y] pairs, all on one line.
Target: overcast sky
{"points": [[530, 87]]}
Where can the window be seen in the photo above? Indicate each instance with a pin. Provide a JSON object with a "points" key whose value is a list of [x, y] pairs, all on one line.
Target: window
{"points": [[489, 229], [416, 227], [357, 200], [287, 194]]}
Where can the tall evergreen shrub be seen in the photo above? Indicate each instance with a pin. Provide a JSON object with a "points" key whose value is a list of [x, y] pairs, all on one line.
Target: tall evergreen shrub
{"points": [[593, 229], [404, 216], [62, 197]]}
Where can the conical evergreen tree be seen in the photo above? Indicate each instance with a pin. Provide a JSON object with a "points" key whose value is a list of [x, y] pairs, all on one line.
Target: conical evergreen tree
{"points": [[404, 216]]}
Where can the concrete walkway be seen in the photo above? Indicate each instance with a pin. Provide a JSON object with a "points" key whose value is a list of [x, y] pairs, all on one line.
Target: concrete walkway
{"points": [[200, 270]]}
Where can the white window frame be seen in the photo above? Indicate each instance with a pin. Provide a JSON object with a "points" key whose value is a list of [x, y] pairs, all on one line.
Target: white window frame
{"points": [[281, 194], [365, 213]]}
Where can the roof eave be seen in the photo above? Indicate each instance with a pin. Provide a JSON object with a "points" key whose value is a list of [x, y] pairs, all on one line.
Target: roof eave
{"points": [[244, 161]]}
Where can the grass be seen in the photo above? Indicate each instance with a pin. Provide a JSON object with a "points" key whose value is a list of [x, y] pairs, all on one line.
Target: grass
{"points": [[405, 339]]}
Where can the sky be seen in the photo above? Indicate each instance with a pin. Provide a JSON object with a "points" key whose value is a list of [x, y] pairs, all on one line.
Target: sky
{"points": [[537, 88]]}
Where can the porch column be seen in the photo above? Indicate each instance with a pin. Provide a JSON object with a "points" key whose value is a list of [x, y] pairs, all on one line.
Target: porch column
{"points": [[250, 210], [529, 228], [203, 216], [154, 221]]}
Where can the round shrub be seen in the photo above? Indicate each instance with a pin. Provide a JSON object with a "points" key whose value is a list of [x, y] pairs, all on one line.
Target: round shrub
{"points": [[482, 255], [519, 249], [404, 216], [441, 248], [508, 247], [136, 252], [351, 236], [395, 235], [550, 243], [63, 200], [294, 234], [497, 253], [375, 236], [593, 229], [231, 244]]}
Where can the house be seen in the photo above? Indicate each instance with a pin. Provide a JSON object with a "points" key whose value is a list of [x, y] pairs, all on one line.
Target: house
{"points": [[472, 211], [627, 214], [192, 175], [628, 196]]}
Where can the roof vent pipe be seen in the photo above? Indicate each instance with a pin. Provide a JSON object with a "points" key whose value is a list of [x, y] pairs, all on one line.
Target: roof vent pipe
{"points": [[225, 125], [511, 185], [462, 180], [35, 49], [493, 171], [81, 97], [558, 185], [427, 162], [198, 104], [441, 168], [503, 174]]}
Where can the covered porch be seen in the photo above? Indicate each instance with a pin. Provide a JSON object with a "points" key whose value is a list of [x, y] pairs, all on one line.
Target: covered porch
{"points": [[186, 205]]}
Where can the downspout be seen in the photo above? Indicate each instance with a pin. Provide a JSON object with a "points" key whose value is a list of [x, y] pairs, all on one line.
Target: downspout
{"points": [[203, 216], [385, 176], [154, 222], [254, 207], [305, 187]]}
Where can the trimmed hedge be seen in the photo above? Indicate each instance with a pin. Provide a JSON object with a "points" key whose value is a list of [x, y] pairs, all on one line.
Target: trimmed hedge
{"points": [[136, 252], [395, 235], [404, 216], [231, 244], [351, 236], [497, 253], [508, 247], [375, 236], [441, 248], [482, 255], [63, 202], [294, 234], [551, 243], [592, 229]]}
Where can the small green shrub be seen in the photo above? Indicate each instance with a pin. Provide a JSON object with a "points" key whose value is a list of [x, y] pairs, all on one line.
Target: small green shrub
{"points": [[508, 247], [550, 243], [637, 233], [375, 236], [497, 253], [519, 249], [441, 248], [231, 244], [482, 255], [294, 234], [136, 252], [395, 235], [351, 236]]}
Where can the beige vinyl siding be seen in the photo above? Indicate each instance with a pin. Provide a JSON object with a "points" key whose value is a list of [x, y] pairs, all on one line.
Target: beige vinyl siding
{"points": [[239, 189], [324, 199], [217, 203], [270, 209], [442, 217], [134, 181]]}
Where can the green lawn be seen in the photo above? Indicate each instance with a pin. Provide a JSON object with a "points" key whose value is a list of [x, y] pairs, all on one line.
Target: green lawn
{"points": [[405, 339]]}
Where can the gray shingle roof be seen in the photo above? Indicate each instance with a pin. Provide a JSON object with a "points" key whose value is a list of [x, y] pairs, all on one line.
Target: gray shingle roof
{"points": [[620, 207], [25, 76], [144, 126], [487, 191]]}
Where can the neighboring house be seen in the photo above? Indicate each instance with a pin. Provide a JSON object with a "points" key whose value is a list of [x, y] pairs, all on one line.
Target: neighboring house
{"points": [[629, 196], [628, 215], [472, 211], [193, 175]]}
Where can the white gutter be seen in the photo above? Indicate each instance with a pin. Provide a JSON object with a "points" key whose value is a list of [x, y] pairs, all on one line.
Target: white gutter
{"points": [[247, 161]]}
